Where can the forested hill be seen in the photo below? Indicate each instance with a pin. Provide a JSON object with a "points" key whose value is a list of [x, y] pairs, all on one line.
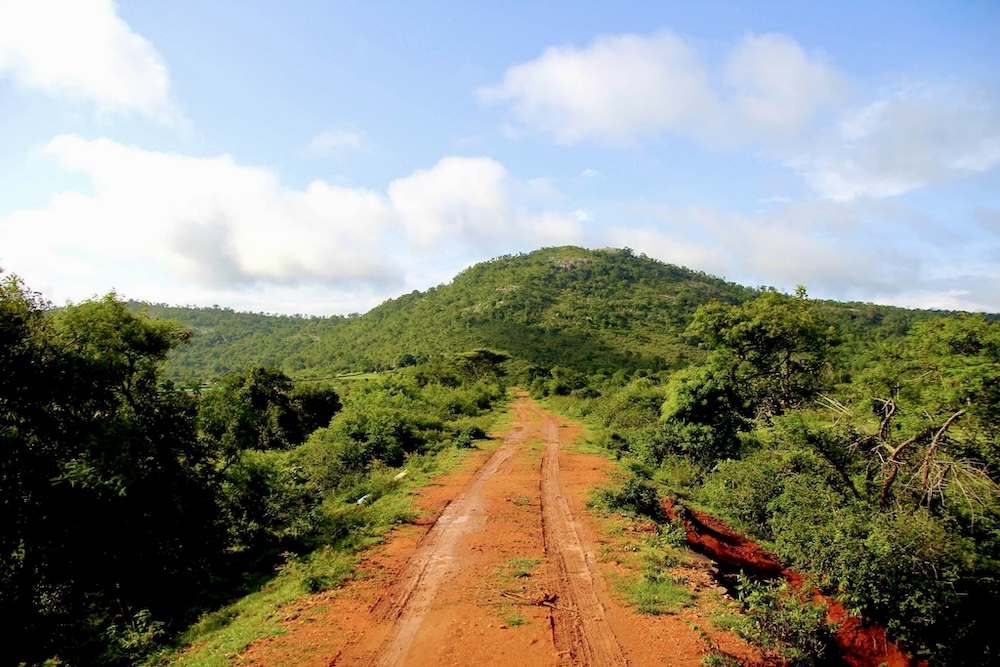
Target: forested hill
{"points": [[584, 309]]}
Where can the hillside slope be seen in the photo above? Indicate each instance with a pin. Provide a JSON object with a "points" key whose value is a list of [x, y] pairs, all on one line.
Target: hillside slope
{"points": [[585, 309]]}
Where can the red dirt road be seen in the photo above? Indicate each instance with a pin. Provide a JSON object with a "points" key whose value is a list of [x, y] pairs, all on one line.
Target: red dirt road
{"points": [[507, 574]]}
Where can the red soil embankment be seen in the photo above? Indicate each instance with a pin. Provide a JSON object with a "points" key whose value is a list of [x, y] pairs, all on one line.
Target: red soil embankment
{"points": [[860, 645]]}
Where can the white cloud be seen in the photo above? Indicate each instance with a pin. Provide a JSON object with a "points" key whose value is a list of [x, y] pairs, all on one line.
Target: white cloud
{"points": [[473, 201], [614, 91], [159, 225], [623, 88], [770, 92], [906, 141], [207, 220], [770, 247], [458, 198], [334, 141], [777, 88], [82, 49]]}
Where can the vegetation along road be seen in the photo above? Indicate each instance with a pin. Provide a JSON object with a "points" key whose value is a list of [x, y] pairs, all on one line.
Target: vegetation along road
{"points": [[510, 572]]}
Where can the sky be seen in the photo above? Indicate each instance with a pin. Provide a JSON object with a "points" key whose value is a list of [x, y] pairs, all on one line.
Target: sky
{"points": [[320, 157]]}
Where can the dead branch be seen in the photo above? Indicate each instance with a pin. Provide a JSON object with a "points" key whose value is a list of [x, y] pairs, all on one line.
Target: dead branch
{"points": [[932, 450], [547, 601]]}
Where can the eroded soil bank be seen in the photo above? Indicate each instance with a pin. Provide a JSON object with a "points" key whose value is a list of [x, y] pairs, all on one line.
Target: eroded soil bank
{"points": [[860, 645]]}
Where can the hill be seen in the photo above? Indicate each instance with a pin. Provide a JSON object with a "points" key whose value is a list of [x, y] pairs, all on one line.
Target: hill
{"points": [[590, 310]]}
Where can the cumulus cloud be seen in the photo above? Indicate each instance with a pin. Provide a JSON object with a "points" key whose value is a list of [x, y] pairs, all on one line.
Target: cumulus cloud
{"points": [[82, 49], [616, 90], [903, 142], [769, 92], [458, 198], [771, 246], [206, 218], [474, 201], [777, 87], [622, 88], [207, 222]]}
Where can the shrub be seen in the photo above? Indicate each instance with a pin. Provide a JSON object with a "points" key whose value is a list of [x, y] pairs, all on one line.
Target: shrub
{"points": [[465, 439], [778, 618], [637, 496]]}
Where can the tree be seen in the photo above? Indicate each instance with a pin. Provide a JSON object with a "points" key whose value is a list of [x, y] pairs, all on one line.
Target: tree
{"points": [[109, 491], [250, 410], [775, 347], [705, 412], [481, 365], [314, 406]]}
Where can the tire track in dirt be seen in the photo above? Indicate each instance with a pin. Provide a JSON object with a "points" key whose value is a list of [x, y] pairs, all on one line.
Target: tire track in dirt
{"points": [[582, 636], [427, 569], [580, 631]]}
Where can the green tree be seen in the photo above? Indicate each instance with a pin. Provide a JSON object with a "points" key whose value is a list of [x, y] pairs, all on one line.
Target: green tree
{"points": [[250, 410], [776, 348], [110, 492], [705, 411]]}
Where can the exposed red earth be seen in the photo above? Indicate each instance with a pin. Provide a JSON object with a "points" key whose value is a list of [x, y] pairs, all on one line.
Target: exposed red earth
{"points": [[507, 567], [860, 645]]}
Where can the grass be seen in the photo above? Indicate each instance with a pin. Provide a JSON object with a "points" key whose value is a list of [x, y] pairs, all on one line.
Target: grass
{"points": [[358, 375], [516, 619], [514, 577], [717, 658], [223, 634], [651, 588], [655, 593], [647, 552], [520, 568]]}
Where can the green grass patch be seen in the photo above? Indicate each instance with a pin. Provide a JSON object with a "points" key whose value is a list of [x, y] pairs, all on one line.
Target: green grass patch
{"points": [[220, 635], [359, 376], [655, 593], [521, 568], [649, 555], [504, 419], [516, 619], [717, 658]]}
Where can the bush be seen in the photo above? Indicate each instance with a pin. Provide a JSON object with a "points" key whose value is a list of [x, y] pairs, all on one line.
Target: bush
{"points": [[637, 496], [465, 438], [778, 618]]}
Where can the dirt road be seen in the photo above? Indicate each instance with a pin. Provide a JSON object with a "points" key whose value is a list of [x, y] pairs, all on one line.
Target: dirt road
{"points": [[507, 574]]}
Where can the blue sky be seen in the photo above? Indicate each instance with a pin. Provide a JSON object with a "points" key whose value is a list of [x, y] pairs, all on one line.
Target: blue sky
{"points": [[321, 157]]}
